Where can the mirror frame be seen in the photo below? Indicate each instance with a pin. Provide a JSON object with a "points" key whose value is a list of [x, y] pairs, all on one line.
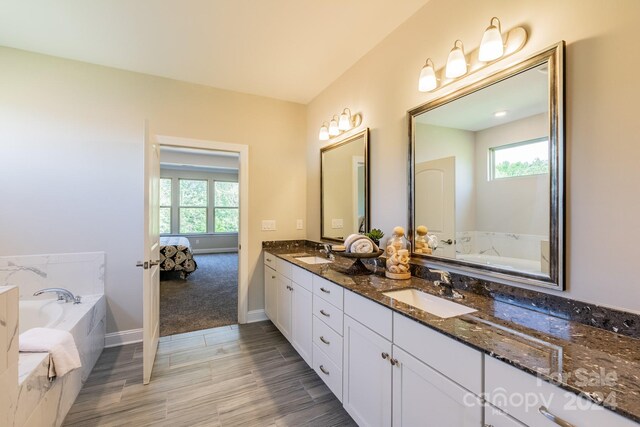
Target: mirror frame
{"points": [[554, 56], [362, 134]]}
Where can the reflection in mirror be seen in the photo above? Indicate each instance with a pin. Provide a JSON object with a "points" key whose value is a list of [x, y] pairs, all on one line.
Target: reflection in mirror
{"points": [[344, 189], [486, 175]]}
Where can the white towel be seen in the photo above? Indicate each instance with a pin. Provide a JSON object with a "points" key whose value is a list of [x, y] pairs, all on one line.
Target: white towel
{"points": [[358, 243], [59, 344]]}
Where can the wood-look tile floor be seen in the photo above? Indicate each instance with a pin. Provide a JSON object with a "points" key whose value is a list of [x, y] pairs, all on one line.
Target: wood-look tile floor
{"points": [[247, 375]]}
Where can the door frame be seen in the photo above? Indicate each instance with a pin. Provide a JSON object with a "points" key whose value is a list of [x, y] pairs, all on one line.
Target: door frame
{"points": [[243, 182]]}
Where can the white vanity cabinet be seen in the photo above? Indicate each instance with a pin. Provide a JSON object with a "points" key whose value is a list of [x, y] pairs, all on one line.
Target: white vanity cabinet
{"points": [[301, 317], [270, 289], [283, 314]]}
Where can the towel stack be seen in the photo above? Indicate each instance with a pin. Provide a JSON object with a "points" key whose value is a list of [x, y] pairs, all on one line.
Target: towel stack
{"points": [[360, 244]]}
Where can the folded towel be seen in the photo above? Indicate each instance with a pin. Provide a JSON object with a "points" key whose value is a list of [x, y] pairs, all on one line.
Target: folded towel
{"points": [[358, 243], [59, 344]]}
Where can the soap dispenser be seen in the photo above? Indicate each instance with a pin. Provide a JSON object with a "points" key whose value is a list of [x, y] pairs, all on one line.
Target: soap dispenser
{"points": [[397, 253]]}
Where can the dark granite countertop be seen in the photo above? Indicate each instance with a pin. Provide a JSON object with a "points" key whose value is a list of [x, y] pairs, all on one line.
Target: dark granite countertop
{"points": [[556, 350]]}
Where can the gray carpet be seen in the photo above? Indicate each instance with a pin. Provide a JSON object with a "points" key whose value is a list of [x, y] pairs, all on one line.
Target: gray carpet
{"points": [[207, 299]]}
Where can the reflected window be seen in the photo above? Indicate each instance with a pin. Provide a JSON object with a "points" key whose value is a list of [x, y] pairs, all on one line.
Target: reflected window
{"points": [[519, 159]]}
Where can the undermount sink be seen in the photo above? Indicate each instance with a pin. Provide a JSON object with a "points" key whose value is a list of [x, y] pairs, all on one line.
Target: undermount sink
{"points": [[430, 303], [313, 260]]}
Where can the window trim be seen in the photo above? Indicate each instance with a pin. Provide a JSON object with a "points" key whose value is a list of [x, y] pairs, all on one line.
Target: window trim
{"points": [[170, 206], [492, 158]]}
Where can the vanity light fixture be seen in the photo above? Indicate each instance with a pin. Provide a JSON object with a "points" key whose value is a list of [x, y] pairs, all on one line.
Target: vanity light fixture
{"points": [[345, 120], [324, 132], [456, 62], [428, 80], [499, 114], [338, 124], [491, 46], [333, 127]]}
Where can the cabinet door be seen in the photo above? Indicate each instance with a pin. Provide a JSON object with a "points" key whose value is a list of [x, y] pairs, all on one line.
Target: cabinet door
{"points": [[494, 417], [270, 293], [424, 397], [283, 315], [366, 375], [302, 322]]}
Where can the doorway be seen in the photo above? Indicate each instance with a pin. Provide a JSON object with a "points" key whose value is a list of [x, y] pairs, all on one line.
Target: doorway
{"points": [[204, 203]]}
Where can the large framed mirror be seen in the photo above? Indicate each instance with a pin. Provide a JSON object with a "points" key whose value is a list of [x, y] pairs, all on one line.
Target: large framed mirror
{"points": [[487, 175], [344, 187]]}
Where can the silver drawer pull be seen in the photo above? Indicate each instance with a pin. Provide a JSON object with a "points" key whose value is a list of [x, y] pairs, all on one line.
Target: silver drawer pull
{"points": [[325, 291], [324, 313], [273, 277], [324, 340], [385, 355], [559, 421], [268, 259], [324, 371]]}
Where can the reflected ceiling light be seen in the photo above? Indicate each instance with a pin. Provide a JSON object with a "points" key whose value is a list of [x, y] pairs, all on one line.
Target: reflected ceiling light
{"points": [[491, 46], [457, 62], [324, 132], [333, 127], [500, 114], [345, 120], [427, 81]]}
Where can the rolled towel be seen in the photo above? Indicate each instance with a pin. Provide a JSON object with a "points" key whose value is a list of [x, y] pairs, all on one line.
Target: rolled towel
{"points": [[350, 239], [58, 343], [362, 246]]}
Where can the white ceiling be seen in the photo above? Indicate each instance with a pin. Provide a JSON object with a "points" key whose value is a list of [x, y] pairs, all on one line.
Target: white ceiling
{"points": [[285, 49]]}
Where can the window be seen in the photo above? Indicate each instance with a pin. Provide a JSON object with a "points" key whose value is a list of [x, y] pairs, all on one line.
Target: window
{"points": [[225, 211], [165, 205], [194, 199], [519, 159]]}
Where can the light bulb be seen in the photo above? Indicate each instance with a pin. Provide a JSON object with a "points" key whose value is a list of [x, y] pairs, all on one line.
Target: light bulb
{"points": [[457, 62], [324, 133], [333, 128], [345, 120], [427, 79], [491, 46]]}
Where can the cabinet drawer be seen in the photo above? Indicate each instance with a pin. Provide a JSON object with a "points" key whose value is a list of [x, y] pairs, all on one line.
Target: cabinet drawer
{"points": [[270, 260], [438, 350], [284, 267], [374, 316], [330, 373], [328, 291], [302, 277], [328, 340], [329, 314], [522, 395]]}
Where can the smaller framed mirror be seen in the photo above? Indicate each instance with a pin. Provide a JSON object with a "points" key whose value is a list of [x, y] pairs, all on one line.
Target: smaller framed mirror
{"points": [[344, 187]]}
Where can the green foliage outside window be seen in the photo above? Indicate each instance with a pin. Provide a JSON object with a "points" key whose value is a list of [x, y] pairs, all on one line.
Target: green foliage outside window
{"points": [[226, 196], [508, 169]]}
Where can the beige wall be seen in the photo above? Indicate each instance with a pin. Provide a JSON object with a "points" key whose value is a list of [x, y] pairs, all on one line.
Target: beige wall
{"points": [[602, 148], [71, 163]]}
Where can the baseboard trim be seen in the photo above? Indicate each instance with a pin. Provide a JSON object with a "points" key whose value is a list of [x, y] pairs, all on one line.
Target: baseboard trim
{"points": [[256, 316], [213, 251], [115, 339]]}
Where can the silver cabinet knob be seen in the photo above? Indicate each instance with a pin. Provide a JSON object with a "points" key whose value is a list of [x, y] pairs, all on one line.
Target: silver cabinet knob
{"points": [[385, 356]]}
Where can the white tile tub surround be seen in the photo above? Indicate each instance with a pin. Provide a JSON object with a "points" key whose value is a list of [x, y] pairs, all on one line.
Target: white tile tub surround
{"points": [[81, 273], [8, 354], [510, 245]]}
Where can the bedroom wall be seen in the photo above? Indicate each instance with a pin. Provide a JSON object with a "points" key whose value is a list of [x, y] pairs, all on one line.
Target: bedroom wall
{"points": [[601, 127], [71, 170]]}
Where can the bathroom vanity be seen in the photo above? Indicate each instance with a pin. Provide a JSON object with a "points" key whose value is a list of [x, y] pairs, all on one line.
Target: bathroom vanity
{"points": [[391, 363]]}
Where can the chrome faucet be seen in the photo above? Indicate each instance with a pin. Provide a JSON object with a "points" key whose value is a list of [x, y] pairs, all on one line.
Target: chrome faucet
{"points": [[63, 294], [327, 251], [445, 285]]}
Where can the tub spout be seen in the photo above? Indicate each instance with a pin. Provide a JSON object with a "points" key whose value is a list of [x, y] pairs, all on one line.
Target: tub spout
{"points": [[63, 294]]}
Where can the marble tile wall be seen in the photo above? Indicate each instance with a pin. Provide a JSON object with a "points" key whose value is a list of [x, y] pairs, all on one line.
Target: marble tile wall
{"points": [[8, 353], [512, 245], [81, 273]]}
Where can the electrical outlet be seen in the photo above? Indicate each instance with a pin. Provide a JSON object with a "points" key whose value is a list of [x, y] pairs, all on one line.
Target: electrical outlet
{"points": [[268, 225], [197, 241], [337, 223], [299, 224]]}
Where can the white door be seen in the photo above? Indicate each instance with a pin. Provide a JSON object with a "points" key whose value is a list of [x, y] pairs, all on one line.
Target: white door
{"points": [[270, 293], [302, 322], [151, 264], [424, 397], [366, 375], [283, 313], [435, 197]]}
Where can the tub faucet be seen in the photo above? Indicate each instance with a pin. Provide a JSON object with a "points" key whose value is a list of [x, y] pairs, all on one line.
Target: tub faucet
{"points": [[445, 285], [63, 294]]}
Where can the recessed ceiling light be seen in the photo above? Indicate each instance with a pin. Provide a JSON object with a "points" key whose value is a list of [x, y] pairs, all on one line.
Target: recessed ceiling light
{"points": [[500, 114]]}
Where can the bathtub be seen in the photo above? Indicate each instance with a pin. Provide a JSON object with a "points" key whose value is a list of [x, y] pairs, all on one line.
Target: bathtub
{"points": [[519, 264], [86, 322]]}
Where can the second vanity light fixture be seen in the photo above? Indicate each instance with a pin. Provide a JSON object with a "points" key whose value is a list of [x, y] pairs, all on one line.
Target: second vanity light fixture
{"points": [[492, 48], [339, 124]]}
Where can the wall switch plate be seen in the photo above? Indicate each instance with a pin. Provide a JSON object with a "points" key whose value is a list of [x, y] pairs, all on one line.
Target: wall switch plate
{"points": [[268, 225], [337, 223], [299, 224]]}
